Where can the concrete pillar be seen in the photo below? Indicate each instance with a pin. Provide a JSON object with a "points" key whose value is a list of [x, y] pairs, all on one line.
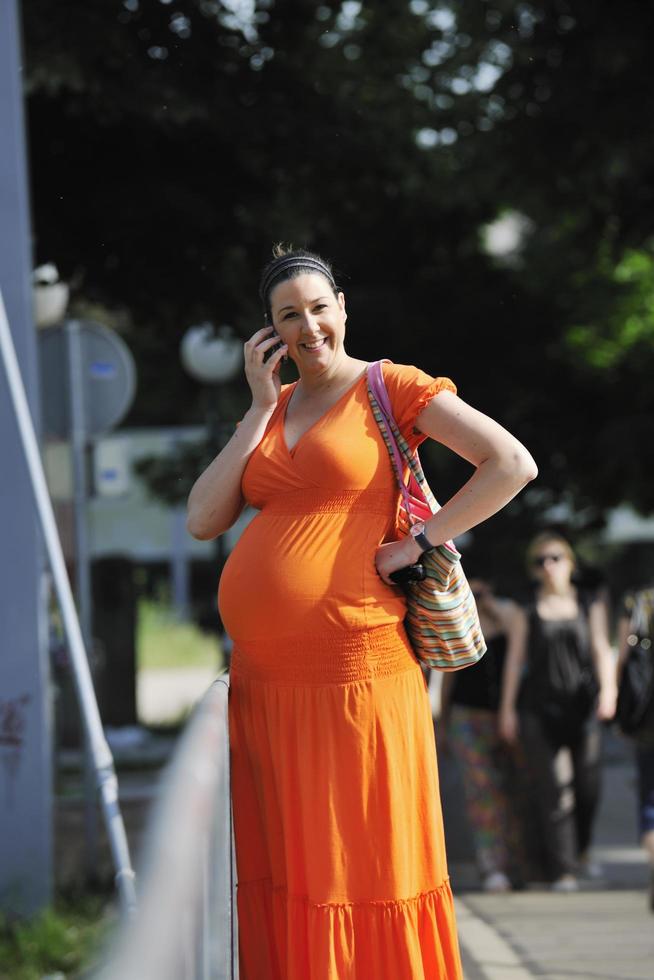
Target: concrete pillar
{"points": [[25, 716]]}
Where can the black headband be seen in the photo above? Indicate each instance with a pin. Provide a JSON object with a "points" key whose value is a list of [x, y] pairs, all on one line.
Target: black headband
{"points": [[293, 262]]}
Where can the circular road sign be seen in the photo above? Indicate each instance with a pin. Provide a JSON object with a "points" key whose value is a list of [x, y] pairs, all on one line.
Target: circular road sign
{"points": [[107, 377]]}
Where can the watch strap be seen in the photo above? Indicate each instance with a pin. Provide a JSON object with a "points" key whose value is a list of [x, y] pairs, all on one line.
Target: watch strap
{"points": [[423, 541]]}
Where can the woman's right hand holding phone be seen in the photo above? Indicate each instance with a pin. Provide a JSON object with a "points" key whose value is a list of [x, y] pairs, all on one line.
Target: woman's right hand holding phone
{"points": [[263, 374], [216, 498]]}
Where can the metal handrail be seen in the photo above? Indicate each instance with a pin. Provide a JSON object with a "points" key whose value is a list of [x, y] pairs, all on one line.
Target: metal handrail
{"points": [[184, 927]]}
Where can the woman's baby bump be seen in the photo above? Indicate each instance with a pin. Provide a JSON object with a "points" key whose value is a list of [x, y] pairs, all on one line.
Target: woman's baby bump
{"points": [[291, 573]]}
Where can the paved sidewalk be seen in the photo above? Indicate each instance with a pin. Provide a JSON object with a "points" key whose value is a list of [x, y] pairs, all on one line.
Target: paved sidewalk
{"points": [[605, 931], [588, 936]]}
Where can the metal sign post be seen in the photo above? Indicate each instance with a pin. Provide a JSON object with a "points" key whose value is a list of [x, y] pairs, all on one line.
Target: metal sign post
{"points": [[88, 381]]}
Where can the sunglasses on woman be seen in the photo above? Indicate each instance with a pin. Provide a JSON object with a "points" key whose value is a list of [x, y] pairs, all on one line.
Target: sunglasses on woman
{"points": [[541, 560]]}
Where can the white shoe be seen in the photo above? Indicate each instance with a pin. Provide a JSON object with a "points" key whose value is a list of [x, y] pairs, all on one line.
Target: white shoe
{"points": [[496, 883], [566, 883], [590, 869]]}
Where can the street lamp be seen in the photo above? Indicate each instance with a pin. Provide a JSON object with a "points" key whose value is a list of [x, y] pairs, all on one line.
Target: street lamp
{"points": [[213, 358], [209, 357], [49, 295]]}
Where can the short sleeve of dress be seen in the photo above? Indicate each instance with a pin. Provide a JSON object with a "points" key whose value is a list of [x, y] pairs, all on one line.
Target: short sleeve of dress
{"points": [[410, 390]]}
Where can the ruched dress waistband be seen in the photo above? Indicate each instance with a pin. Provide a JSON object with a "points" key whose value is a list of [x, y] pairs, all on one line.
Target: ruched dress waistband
{"points": [[320, 501], [326, 658]]}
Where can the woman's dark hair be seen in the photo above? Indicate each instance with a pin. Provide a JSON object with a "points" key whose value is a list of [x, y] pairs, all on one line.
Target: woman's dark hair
{"points": [[288, 264]]}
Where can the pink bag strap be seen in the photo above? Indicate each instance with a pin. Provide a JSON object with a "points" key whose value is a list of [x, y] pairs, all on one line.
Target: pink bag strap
{"points": [[379, 390], [418, 500], [414, 494]]}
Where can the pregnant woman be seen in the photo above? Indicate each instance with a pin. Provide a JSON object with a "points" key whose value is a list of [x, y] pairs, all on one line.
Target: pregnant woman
{"points": [[341, 861]]}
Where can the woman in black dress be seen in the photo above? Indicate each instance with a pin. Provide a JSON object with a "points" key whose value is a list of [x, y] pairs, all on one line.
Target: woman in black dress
{"points": [[563, 681]]}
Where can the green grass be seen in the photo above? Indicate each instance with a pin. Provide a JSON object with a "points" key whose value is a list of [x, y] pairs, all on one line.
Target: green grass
{"points": [[66, 939], [163, 641]]}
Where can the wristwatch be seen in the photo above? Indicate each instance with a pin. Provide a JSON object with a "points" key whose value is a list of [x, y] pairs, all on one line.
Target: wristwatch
{"points": [[417, 532]]}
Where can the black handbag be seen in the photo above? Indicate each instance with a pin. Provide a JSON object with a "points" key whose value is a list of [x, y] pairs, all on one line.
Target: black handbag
{"points": [[634, 712]]}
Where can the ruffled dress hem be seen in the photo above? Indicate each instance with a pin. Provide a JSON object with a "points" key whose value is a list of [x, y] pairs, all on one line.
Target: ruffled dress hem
{"points": [[384, 939]]}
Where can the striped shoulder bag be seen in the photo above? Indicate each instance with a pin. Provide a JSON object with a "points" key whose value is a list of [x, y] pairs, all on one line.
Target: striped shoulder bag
{"points": [[442, 620]]}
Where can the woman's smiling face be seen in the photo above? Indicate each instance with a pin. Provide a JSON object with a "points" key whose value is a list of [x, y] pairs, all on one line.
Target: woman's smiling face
{"points": [[310, 319]]}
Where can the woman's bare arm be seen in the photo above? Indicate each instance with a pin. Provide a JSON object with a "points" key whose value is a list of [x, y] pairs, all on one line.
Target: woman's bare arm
{"points": [[603, 659], [503, 468], [503, 465], [516, 654], [216, 500]]}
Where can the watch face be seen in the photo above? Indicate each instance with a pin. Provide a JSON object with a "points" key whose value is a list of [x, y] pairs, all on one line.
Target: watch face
{"points": [[417, 528]]}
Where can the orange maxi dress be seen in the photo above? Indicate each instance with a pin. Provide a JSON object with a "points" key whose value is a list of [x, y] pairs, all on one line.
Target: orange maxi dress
{"points": [[340, 854]]}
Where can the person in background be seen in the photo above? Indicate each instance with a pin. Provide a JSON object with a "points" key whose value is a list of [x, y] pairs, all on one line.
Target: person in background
{"points": [[469, 726], [636, 623], [563, 679]]}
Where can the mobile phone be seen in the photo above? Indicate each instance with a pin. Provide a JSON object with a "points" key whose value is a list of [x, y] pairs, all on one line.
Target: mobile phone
{"points": [[409, 574], [269, 353], [272, 350]]}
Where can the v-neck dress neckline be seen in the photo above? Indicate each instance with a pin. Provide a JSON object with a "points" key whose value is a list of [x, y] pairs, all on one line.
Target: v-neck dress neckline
{"points": [[291, 450]]}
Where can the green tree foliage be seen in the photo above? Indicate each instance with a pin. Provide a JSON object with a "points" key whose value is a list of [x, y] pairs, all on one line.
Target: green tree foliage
{"points": [[172, 142]]}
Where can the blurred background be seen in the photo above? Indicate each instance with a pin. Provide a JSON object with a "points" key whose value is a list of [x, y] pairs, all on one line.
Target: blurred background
{"points": [[480, 174]]}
